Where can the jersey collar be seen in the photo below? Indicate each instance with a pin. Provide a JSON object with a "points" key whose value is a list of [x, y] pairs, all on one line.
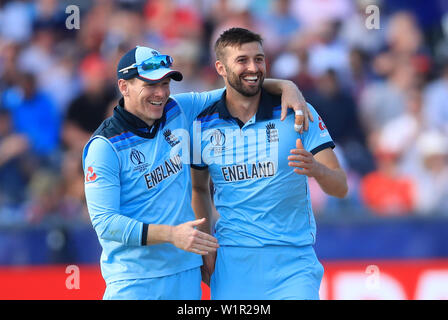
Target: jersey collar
{"points": [[135, 124], [265, 108]]}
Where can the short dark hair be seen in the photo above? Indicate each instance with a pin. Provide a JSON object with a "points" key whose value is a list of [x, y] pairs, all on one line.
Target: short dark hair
{"points": [[235, 37]]}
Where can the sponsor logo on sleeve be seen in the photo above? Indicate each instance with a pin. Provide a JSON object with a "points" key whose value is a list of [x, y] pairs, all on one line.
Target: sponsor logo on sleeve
{"points": [[322, 128], [90, 175]]}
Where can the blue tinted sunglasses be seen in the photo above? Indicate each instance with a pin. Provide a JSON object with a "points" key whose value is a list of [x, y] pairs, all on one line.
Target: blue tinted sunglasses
{"points": [[152, 63]]}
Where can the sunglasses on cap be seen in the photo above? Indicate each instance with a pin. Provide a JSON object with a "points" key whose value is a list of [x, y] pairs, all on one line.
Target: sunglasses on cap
{"points": [[152, 63]]}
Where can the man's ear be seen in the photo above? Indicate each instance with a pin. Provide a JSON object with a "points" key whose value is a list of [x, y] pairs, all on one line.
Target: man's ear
{"points": [[220, 68], [123, 87]]}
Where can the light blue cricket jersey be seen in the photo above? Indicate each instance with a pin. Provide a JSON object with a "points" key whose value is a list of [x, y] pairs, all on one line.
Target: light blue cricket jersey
{"points": [[135, 176], [261, 201]]}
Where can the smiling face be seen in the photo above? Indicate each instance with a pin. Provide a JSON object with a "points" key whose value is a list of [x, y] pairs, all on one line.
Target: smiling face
{"points": [[243, 68], [145, 100]]}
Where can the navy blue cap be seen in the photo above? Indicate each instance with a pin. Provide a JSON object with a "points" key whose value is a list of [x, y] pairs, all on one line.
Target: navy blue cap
{"points": [[135, 57]]}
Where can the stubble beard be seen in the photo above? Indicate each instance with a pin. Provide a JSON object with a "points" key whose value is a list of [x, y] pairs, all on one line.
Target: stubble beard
{"points": [[236, 83]]}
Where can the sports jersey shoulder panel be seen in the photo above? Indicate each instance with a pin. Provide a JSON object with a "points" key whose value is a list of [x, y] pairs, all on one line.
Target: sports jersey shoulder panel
{"points": [[86, 148], [119, 135], [193, 103], [208, 112]]}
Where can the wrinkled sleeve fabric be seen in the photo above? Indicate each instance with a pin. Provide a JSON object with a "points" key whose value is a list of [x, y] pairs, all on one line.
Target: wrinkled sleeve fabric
{"points": [[102, 189]]}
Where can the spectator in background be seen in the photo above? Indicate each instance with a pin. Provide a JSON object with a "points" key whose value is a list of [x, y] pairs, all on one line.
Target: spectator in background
{"points": [[13, 176], [360, 74], [432, 175], [125, 25], [35, 116], [435, 110], [404, 38], [386, 191], [278, 25], [51, 56], [238, 15], [86, 112], [29, 140], [355, 33], [403, 42], [95, 23], [314, 12], [186, 56], [340, 114], [72, 201], [383, 101], [293, 63], [38, 56], [169, 21], [58, 194], [404, 64], [59, 81], [8, 62], [16, 23], [327, 51], [44, 196], [405, 129]]}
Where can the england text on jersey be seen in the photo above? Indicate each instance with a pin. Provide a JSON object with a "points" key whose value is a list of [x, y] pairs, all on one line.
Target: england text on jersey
{"points": [[245, 171], [163, 171]]}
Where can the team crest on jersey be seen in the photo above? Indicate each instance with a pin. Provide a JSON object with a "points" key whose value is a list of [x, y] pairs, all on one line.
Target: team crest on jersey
{"points": [[271, 132], [138, 159], [170, 138]]}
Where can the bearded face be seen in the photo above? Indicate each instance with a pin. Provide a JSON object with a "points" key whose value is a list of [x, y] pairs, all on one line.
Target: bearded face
{"points": [[244, 68]]}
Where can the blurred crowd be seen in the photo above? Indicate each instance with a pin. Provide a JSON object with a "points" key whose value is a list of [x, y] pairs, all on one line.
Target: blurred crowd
{"points": [[382, 93]]}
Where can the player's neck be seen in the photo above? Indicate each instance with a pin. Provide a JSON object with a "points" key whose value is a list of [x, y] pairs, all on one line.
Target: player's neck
{"points": [[240, 106]]}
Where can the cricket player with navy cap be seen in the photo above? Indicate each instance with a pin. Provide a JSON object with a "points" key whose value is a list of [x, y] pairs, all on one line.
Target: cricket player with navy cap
{"points": [[138, 187]]}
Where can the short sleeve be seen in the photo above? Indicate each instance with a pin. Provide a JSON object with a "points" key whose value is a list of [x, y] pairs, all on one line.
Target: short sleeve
{"points": [[317, 138]]}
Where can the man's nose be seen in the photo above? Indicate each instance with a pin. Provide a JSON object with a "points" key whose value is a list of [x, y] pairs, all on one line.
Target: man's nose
{"points": [[252, 66], [159, 90]]}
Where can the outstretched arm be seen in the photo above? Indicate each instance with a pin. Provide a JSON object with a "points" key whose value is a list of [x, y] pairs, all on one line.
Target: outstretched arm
{"points": [[184, 236]]}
